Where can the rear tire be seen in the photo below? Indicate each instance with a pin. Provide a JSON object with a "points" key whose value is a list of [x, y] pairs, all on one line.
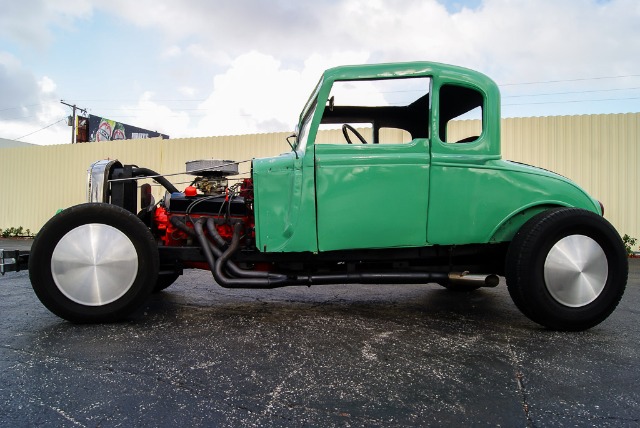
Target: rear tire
{"points": [[567, 269], [93, 263]]}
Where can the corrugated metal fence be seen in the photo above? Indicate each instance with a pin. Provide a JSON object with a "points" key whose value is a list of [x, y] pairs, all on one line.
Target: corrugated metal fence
{"points": [[599, 152]]}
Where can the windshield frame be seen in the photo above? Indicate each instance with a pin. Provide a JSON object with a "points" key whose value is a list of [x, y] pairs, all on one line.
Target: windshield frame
{"points": [[307, 115], [303, 130]]}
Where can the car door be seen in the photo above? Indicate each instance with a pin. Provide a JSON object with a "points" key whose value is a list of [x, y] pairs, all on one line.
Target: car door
{"points": [[372, 195], [372, 164]]}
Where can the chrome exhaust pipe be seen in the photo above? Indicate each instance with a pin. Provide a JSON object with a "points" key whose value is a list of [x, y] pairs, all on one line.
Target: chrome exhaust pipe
{"points": [[465, 278]]}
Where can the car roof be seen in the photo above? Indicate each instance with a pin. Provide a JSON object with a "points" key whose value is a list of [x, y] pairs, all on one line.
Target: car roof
{"points": [[395, 70]]}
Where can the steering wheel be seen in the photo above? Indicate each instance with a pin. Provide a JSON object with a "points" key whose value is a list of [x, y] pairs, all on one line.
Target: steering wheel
{"points": [[346, 128], [470, 139]]}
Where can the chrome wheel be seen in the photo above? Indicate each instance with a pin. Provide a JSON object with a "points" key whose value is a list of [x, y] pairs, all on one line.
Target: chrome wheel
{"points": [[94, 264], [566, 269], [576, 271]]}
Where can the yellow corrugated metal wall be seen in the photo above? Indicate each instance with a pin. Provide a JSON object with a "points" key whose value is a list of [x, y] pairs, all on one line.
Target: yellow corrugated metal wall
{"points": [[37, 181], [599, 152]]}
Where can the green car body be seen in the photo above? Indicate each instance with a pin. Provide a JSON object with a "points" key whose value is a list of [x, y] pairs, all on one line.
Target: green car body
{"points": [[407, 197], [325, 197]]}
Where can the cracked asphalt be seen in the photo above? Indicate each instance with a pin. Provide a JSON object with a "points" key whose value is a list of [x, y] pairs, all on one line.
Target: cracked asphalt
{"points": [[371, 355]]}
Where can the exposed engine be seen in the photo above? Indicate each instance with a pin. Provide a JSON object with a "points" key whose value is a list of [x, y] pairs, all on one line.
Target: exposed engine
{"points": [[209, 196]]}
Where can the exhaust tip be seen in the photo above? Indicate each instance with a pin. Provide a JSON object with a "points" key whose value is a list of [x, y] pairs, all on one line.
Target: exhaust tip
{"points": [[465, 278], [492, 280]]}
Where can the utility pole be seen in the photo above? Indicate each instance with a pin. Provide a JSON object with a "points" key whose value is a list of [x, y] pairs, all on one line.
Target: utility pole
{"points": [[73, 119]]}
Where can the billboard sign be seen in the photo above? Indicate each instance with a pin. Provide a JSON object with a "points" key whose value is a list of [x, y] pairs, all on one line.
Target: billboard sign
{"points": [[102, 129]]}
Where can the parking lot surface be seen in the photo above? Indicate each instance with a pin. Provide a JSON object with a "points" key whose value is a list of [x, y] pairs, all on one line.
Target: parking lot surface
{"points": [[364, 355]]}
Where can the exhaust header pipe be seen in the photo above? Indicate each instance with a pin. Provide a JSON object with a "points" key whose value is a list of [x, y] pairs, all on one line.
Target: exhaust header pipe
{"points": [[228, 274]]}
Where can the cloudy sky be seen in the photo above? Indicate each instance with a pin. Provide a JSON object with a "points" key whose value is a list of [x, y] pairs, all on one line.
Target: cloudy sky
{"points": [[211, 67]]}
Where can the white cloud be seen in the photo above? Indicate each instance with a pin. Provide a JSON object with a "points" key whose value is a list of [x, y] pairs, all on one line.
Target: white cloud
{"points": [[151, 115], [545, 39], [31, 22], [258, 94], [247, 95], [171, 52], [283, 29], [28, 104], [187, 91], [256, 62], [209, 55], [504, 37], [47, 85]]}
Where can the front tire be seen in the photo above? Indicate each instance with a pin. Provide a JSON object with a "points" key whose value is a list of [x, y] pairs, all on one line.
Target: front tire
{"points": [[93, 263], [567, 269]]}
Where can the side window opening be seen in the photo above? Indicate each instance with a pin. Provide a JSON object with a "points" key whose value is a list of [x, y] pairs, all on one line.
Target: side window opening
{"points": [[383, 111], [332, 133], [460, 119], [388, 135]]}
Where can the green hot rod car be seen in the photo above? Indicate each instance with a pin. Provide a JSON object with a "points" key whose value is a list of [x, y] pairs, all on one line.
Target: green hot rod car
{"points": [[382, 185]]}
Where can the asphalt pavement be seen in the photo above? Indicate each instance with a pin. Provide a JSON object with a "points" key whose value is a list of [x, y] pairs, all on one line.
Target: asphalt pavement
{"points": [[337, 355]]}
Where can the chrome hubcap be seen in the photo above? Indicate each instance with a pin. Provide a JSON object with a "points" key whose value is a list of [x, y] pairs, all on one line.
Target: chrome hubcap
{"points": [[94, 264], [576, 271]]}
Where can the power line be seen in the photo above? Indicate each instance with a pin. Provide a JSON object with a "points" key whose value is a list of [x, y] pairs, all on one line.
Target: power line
{"points": [[41, 129], [151, 109], [15, 108], [570, 80], [18, 117], [570, 92], [119, 100], [573, 101]]}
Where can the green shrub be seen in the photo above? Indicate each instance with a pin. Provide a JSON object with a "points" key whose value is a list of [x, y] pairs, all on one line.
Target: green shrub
{"points": [[15, 232], [629, 243]]}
